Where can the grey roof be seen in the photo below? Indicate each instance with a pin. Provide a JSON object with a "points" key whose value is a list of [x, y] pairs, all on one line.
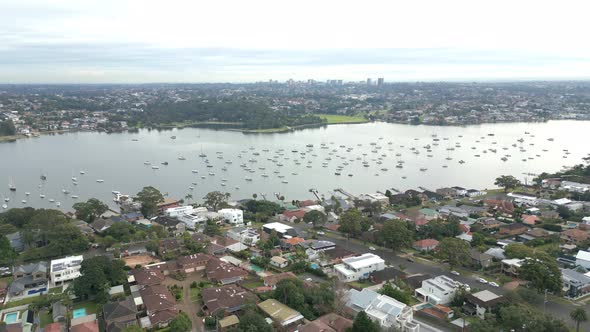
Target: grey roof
{"points": [[496, 252], [123, 308], [31, 268], [361, 299], [574, 276], [58, 310]]}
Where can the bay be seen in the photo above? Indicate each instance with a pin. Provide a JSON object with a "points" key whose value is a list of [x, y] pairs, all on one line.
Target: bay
{"points": [[126, 162]]}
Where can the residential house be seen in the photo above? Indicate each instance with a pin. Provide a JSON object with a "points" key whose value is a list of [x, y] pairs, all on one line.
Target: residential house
{"points": [[146, 276], [523, 199], [475, 193], [574, 187], [272, 280], [29, 279], [425, 245], [447, 192], [289, 244], [232, 216], [59, 312], [246, 236], [511, 267], [513, 229], [488, 223], [220, 272], [16, 241], [65, 269], [282, 230], [496, 253], [291, 216], [575, 236], [281, 314], [437, 290], [360, 267], [193, 263], [575, 284], [226, 299], [531, 220], [101, 225], [314, 247], [448, 210], [388, 312], [480, 260], [279, 262], [91, 326], [120, 314], [55, 327], [386, 275], [583, 259], [481, 302], [429, 214], [227, 323], [172, 225], [500, 205], [331, 322], [160, 306], [460, 191]]}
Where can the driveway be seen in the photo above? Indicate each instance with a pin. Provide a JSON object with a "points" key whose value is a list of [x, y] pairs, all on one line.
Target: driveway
{"points": [[186, 306]]}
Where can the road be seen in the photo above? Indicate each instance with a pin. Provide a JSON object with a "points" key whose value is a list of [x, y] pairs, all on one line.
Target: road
{"points": [[556, 307]]}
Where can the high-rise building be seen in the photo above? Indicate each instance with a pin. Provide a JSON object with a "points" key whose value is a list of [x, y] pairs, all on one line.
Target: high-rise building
{"points": [[369, 81], [380, 81]]}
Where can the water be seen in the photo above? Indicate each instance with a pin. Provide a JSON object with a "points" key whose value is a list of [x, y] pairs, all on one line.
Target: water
{"points": [[10, 317], [118, 159], [80, 312]]}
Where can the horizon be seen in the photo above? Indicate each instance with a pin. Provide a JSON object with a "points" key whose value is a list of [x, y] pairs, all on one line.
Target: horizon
{"points": [[114, 42]]}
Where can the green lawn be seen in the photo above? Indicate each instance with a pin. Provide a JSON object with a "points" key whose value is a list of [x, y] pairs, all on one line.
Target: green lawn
{"points": [[55, 290], [28, 300], [45, 318], [361, 284], [334, 119], [194, 294], [253, 283]]}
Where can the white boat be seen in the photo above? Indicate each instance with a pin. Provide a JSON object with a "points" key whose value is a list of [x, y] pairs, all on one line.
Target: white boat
{"points": [[42, 196], [115, 192], [100, 180], [51, 200], [181, 158], [24, 201], [155, 167], [75, 196], [58, 204], [4, 206], [147, 162], [82, 172], [195, 171], [74, 179], [27, 193]]}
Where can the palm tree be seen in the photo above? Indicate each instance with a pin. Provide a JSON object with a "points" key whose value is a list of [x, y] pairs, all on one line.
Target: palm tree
{"points": [[188, 197], [578, 315]]}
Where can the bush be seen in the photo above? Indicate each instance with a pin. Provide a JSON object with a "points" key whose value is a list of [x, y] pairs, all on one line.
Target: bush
{"points": [[194, 284], [210, 322]]}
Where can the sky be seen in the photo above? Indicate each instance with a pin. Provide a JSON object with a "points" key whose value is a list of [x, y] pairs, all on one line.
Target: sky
{"points": [[145, 41]]}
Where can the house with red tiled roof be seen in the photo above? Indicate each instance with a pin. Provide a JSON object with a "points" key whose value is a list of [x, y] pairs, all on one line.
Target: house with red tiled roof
{"points": [[574, 236], [55, 327], [528, 219], [160, 305], [91, 326], [307, 203], [224, 273], [145, 277], [291, 216], [500, 205], [426, 244]]}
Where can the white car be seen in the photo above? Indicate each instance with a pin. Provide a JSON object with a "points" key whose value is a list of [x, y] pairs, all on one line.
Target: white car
{"points": [[482, 280], [467, 287], [455, 273], [320, 233], [372, 248], [493, 284]]}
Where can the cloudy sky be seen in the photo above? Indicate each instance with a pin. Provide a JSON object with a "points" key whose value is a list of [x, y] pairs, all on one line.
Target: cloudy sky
{"points": [[128, 41]]}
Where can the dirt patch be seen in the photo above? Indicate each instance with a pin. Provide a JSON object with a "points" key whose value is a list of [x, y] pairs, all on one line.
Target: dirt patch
{"points": [[133, 261]]}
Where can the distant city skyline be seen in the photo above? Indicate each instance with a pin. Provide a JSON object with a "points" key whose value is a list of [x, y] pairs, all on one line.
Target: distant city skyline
{"points": [[135, 41]]}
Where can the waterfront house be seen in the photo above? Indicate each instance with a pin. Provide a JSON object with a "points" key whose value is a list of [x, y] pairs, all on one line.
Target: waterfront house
{"points": [[475, 193], [447, 192], [65, 269], [232, 216], [29, 279], [291, 216]]}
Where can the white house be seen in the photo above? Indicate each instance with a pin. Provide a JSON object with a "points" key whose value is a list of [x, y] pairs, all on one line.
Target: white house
{"points": [[388, 312], [375, 197], [281, 229], [355, 268], [279, 261], [232, 216], [475, 193], [178, 211], [247, 236], [583, 259], [65, 269], [460, 191], [438, 290], [574, 186], [523, 198]]}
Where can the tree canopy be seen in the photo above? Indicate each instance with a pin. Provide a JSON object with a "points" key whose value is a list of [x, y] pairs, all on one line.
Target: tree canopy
{"points": [[316, 218], [395, 234], [353, 223], [181, 323], [149, 197], [362, 323], [311, 302], [456, 251], [216, 199], [90, 209], [98, 275], [507, 182]]}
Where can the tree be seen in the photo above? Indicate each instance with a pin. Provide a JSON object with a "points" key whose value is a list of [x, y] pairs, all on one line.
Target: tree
{"points": [[395, 234], [351, 222], [315, 217], [89, 210], [396, 293], [251, 321], [98, 274], [518, 250], [7, 254], [181, 323], [507, 182], [132, 328], [7, 128], [456, 251], [362, 323], [543, 273], [578, 315], [211, 228], [216, 199], [149, 197]]}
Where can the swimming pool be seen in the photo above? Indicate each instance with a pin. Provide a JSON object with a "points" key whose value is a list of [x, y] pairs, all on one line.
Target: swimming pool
{"points": [[80, 312], [314, 266], [256, 268], [10, 317]]}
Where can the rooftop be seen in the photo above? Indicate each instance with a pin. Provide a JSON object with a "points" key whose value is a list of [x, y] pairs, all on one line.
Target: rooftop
{"points": [[363, 260]]}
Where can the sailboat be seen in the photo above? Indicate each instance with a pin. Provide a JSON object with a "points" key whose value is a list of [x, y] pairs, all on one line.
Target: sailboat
{"points": [[11, 186]]}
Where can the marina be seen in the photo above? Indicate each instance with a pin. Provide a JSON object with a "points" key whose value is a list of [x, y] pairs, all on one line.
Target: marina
{"points": [[362, 157]]}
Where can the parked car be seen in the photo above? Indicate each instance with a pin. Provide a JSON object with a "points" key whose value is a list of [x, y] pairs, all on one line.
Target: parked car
{"points": [[455, 273], [467, 287], [371, 248], [409, 259], [5, 271], [482, 280], [320, 233], [493, 284]]}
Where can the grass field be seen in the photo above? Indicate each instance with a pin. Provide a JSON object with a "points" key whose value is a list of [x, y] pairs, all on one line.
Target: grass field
{"points": [[194, 294], [45, 318], [336, 119]]}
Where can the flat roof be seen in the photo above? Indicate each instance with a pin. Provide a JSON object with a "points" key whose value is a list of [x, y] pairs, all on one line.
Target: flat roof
{"points": [[486, 295], [278, 227], [363, 260]]}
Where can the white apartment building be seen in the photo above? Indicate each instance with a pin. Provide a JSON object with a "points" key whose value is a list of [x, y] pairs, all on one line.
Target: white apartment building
{"points": [[197, 217], [232, 216], [388, 312], [247, 236], [178, 211], [355, 268], [65, 269], [438, 290]]}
